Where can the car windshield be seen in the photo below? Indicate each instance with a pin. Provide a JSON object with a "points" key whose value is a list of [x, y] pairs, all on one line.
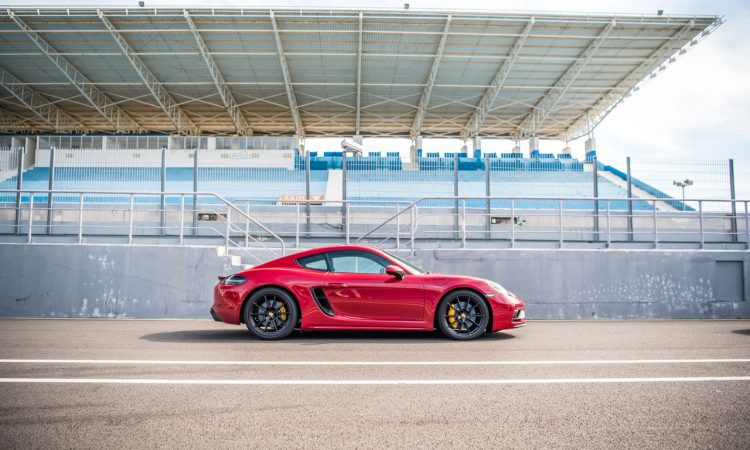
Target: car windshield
{"points": [[411, 266]]}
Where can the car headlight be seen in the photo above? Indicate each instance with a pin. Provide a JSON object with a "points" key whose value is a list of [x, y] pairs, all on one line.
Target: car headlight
{"points": [[499, 288], [233, 280]]}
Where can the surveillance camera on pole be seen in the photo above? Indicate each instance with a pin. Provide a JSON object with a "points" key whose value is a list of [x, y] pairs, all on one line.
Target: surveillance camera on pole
{"points": [[350, 146]]}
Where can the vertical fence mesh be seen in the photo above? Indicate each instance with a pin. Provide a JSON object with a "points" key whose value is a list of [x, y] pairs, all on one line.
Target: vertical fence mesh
{"points": [[678, 179], [385, 179]]}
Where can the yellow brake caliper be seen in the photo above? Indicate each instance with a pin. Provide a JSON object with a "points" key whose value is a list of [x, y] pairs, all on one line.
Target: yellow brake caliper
{"points": [[452, 317], [282, 310]]}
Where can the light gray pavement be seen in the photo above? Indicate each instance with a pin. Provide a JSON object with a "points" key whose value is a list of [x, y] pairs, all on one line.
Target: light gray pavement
{"points": [[603, 407]]}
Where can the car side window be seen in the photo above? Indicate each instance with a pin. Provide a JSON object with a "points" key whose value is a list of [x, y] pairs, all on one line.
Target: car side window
{"points": [[357, 262], [314, 262]]}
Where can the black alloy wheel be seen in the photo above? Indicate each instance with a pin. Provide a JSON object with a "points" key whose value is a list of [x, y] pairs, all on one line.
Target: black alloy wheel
{"points": [[271, 314], [463, 315]]}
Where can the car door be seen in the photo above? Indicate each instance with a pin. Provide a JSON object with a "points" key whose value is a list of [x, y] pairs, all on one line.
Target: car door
{"points": [[358, 287]]}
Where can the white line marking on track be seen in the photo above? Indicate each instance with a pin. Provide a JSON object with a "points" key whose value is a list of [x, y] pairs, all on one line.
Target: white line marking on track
{"points": [[367, 382], [370, 363]]}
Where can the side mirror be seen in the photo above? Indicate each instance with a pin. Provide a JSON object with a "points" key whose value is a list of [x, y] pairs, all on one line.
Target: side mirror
{"points": [[396, 271]]}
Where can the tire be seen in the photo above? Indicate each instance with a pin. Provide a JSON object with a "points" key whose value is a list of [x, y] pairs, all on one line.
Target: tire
{"points": [[271, 314], [462, 315]]}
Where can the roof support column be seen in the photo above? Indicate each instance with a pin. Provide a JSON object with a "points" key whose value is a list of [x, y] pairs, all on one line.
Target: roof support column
{"points": [[226, 95], [176, 115], [533, 122], [294, 109], [474, 125], [424, 101], [359, 76]]}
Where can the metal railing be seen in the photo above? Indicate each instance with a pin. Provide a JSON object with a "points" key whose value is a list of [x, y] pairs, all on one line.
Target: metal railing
{"points": [[91, 216], [248, 225]]}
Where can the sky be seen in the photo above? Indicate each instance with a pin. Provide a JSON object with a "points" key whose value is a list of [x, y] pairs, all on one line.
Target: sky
{"points": [[699, 108]]}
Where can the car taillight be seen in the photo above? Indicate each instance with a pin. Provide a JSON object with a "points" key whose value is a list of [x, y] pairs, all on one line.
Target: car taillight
{"points": [[232, 280]]}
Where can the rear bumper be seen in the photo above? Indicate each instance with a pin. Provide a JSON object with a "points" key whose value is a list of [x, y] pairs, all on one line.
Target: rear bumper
{"points": [[214, 316]]}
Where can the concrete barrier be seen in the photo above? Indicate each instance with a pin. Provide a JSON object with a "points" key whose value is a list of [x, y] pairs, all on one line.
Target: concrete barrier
{"points": [[48, 280], [610, 284], [63, 280]]}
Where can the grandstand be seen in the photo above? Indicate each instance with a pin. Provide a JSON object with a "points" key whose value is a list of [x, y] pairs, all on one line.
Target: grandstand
{"points": [[168, 119]]}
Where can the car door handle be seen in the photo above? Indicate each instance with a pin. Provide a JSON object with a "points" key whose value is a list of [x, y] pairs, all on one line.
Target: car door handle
{"points": [[338, 285]]}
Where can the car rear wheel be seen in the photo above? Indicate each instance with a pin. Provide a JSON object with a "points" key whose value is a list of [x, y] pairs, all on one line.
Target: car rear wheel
{"points": [[463, 315], [271, 314]]}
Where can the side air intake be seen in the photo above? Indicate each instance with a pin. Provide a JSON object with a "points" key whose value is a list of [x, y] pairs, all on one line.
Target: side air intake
{"points": [[322, 301]]}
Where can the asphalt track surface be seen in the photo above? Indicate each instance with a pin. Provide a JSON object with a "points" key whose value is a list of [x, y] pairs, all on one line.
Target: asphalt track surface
{"points": [[588, 384]]}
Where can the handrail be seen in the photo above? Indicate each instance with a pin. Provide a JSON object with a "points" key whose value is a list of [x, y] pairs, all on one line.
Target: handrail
{"points": [[83, 193]]}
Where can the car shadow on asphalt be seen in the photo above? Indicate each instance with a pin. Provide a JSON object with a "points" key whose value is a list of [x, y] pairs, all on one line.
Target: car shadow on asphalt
{"points": [[312, 337], [745, 332]]}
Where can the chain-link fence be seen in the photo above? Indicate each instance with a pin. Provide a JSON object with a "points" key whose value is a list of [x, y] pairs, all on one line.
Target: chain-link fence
{"points": [[678, 180], [280, 175]]}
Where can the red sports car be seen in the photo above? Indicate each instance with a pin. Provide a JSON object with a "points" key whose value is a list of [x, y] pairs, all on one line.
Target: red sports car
{"points": [[355, 287]]}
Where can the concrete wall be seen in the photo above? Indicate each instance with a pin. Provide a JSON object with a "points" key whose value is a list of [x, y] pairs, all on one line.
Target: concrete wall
{"points": [[611, 284], [47, 280]]}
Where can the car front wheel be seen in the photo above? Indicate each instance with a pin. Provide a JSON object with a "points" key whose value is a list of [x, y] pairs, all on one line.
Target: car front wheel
{"points": [[463, 315]]}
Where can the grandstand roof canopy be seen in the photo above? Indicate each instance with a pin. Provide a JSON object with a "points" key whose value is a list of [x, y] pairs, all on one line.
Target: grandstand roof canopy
{"points": [[327, 71]]}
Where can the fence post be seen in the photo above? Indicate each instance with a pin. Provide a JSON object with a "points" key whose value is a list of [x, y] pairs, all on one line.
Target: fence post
{"points": [[512, 223], [195, 191], [630, 202], [700, 221], [182, 219], [80, 218], [463, 223], [50, 188], [130, 220], [609, 227], [413, 227], [455, 195], [733, 197], [488, 192], [31, 216], [296, 229], [163, 203], [560, 222], [307, 193], [398, 226], [346, 209], [344, 204], [656, 229], [596, 199], [228, 229], [19, 186]]}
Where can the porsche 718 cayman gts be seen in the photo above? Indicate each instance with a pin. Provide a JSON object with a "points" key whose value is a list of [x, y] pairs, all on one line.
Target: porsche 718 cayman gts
{"points": [[354, 287]]}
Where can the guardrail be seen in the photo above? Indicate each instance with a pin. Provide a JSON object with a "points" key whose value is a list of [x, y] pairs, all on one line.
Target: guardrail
{"points": [[249, 224]]}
